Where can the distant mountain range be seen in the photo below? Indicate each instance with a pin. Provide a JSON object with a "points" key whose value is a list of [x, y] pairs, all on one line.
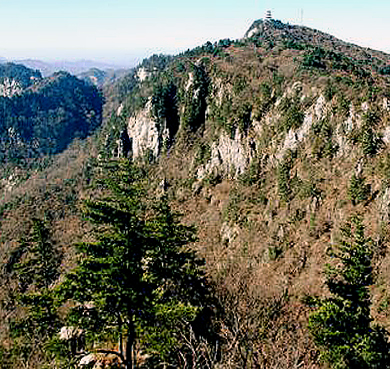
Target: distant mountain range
{"points": [[73, 67]]}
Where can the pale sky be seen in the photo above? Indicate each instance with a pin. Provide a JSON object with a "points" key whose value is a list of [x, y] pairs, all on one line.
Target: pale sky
{"points": [[117, 31]]}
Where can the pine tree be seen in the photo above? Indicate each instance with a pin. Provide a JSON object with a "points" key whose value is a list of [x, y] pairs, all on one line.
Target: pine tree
{"points": [[35, 265], [342, 326], [137, 275], [40, 266]]}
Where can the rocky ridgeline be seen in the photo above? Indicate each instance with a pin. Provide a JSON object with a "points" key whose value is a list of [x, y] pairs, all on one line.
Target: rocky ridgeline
{"points": [[231, 153]]}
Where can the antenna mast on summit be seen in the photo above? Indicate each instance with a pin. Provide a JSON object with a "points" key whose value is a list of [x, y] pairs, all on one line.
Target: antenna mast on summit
{"points": [[268, 16], [267, 19]]}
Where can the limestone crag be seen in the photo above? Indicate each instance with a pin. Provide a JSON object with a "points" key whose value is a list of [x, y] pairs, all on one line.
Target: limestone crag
{"points": [[147, 136], [229, 157], [10, 87]]}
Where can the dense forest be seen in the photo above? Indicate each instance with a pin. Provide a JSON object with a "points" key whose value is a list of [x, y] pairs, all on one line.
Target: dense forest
{"points": [[45, 117]]}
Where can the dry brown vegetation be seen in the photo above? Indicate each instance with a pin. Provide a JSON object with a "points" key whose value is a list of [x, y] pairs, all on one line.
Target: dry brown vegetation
{"points": [[265, 252]]}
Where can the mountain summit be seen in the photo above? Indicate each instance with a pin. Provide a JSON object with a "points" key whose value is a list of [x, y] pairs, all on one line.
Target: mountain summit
{"points": [[272, 30]]}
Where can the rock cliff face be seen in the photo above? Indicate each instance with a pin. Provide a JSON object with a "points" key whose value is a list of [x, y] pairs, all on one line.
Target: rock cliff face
{"points": [[147, 136], [15, 78], [10, 87], [231, 153]]}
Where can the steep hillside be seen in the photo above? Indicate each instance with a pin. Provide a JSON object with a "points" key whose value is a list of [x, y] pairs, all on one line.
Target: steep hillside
{"points": [[40, 116], [268, 145]]}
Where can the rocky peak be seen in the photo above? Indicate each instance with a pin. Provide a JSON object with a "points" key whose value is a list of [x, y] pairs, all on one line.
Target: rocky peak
{"points": [[15, 78]]}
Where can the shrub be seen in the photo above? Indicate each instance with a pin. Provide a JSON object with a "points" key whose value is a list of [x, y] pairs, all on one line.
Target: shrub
{"points": [[385, 71], [370, 140], [343, 105], [358, 189], [283, 177], [323, 144], [314, 59]]}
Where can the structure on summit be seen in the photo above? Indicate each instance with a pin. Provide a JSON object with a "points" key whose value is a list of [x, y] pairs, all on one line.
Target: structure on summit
{"points": [[268, 16]]}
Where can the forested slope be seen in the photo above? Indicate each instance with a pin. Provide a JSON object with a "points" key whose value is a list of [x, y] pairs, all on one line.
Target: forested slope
{"points": [[46, 114], [276, 148]]}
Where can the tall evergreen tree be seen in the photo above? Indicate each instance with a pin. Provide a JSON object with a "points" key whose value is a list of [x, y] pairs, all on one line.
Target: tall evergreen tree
{"points": [[137, 274], [342, 326], [35, 265]]}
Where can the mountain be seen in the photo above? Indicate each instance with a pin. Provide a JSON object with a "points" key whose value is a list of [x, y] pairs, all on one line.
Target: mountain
{"points": [[14, 79], [100, 77], [269, 145], [43, 115], [73, 67], [94, 76]]}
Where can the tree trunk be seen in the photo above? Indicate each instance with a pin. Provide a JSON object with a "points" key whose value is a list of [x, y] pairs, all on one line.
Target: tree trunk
{"points": [[120, 339], [130, 345]]}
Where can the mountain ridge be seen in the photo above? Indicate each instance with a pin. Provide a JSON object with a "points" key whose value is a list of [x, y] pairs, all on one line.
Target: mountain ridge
{"points": [[74, 67], [268, 144]]}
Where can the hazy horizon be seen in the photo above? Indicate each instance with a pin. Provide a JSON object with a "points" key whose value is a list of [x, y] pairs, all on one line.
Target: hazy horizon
{"points": [[123, 32]]}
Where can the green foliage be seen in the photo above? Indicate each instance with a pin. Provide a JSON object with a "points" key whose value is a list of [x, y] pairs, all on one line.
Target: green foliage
{"points": [[343, 105], [235, 110], [278, 83], [341, 326], [358, 189], [385, 71], [157, 62], [223, 114], [126, 85], [320, 58], [274, 252], [253, 174], [370, 140], [138, 266], [322, 137], [309, 189], [292, 115], [216, 49], [232, 213], [330, 91], [41, 321], [194, 99], [240, 83], [264, 101], [243, 116], [291, 44], [284, 181], [21, 74], [164, 105], [35, 264], [44, 120], [40, 265], [203, 154], [314, 59]]}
